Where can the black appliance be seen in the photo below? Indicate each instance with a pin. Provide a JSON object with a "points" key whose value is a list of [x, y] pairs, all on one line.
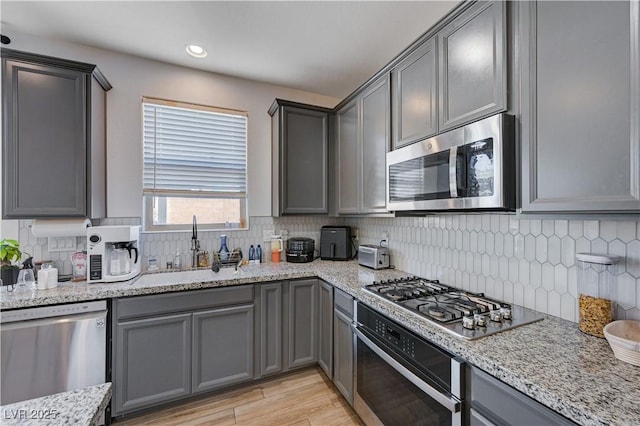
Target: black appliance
{"points": [[335, 243], [401, 378], [300, 250], [462, 313]]}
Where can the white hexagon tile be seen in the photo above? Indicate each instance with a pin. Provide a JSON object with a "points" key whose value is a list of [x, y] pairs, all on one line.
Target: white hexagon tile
{"points": [[530, 262]]}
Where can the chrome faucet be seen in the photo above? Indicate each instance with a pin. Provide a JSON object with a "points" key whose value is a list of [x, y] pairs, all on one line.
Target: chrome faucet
{"points": [[195, 244]]}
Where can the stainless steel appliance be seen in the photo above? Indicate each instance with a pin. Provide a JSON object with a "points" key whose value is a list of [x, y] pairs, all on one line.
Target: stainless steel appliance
{"points": [[371, 256], [462, 313], [335, 243], [52, 349], [472, 167], [402, 379], [113, 253]]}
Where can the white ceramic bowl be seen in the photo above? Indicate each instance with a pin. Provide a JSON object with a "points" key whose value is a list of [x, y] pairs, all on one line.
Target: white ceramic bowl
{"points": [[624, 338]]}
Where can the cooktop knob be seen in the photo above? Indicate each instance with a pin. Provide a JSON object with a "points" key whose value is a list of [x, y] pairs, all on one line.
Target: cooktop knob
{"points": [[468, 323], [495, 315], [480, 320], [505, 311]]}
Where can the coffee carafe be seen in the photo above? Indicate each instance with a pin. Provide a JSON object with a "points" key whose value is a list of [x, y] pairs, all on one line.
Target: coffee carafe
{"points": [[112, 253]]}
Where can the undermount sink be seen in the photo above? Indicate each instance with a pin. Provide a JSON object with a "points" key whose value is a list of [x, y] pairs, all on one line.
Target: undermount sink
{"points": [[187, 277]]}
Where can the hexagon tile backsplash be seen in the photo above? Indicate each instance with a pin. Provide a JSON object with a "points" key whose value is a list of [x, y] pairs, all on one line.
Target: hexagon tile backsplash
{"points": [[529, 262]]}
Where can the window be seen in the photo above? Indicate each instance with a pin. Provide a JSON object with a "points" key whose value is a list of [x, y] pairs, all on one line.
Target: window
{"points": [[195, 163]]}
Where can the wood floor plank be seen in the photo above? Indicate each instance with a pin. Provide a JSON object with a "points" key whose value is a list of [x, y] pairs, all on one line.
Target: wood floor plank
{"points": [[303, 398]]}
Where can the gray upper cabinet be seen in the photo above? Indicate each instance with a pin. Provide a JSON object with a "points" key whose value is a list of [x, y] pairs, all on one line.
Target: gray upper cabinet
{"points": [[472, 67], [580, 124], [348, 163], [363, 135], [375, 110], [300, 142], [53, 137], [415, 96], [222, 347]]}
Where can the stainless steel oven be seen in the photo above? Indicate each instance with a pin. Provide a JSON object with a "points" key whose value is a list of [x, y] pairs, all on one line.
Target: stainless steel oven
{"points": [[472, 167], [400, 378]]}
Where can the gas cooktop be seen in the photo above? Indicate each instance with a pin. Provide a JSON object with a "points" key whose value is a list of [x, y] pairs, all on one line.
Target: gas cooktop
{"points": [[462, 313]]}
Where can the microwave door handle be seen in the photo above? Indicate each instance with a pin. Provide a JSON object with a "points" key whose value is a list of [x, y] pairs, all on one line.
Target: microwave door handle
{"points": [[453, 172]]}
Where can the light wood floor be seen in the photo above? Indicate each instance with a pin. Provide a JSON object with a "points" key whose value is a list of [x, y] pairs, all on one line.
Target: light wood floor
{"points": [[302, 398]]}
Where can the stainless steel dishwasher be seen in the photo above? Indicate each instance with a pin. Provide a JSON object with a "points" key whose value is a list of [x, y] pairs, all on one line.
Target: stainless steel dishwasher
{"points": [[52, 349]]}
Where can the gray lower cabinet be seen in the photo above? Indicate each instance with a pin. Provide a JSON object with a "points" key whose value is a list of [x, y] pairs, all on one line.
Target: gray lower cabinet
{"points": [[325, 328], [343, 344], [363, 138], [288, 325], [303, 323], [494, 403], [153, 359], [472, 65], [54, 113], [300, 157], [580, 101], [271, 328], [222, 347], [169, 346], [415, 95]]}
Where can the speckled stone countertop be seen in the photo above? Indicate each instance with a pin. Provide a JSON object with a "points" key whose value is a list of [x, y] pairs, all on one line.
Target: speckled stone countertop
{"points": [[551, 361], [81, 407]]}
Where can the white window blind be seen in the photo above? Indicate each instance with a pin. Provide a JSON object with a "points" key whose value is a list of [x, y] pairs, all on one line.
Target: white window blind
{"points": [[197, 151]]}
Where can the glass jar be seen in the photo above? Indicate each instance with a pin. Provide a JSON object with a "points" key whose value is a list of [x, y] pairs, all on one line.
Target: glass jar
{"points": [[224, 250], [596, 291]]}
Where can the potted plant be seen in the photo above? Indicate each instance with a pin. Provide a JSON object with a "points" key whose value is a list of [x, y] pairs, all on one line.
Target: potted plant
{"points": [[9, 253]]}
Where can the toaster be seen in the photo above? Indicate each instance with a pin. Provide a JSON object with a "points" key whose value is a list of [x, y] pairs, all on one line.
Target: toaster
{"points": [[376, 257]]}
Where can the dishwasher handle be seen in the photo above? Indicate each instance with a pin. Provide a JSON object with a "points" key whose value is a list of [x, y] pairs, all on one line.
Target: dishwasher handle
{"points": [[100, 316]]}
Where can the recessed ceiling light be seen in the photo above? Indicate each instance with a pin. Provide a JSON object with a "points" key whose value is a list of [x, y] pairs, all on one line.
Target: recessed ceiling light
{"points": [[196, 51]]}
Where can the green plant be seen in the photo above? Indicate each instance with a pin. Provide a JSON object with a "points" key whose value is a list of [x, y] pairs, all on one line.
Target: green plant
{"points": [[9, 252]]}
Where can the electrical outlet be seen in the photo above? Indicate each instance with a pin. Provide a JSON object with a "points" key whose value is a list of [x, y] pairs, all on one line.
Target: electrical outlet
{"points": [[266, 235], [385, 236], [385, 239], [355, 234]]}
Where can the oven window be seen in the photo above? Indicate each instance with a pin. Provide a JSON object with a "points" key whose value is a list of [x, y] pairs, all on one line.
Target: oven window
{"points": [[424, 178], [393, 398]]}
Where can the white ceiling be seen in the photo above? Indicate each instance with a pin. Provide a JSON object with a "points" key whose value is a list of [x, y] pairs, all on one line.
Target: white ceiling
{"points": [[325, 47]]}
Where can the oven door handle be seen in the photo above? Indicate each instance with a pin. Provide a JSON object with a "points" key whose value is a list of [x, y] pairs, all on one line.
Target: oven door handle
{"points": [[450, 404]]}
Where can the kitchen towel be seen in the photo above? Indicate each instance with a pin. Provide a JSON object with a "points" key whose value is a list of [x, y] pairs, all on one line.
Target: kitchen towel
{"points": [[60, 228]]}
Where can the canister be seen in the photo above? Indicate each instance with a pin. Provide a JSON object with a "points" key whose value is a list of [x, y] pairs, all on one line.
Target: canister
{"points": [[596, 276]]}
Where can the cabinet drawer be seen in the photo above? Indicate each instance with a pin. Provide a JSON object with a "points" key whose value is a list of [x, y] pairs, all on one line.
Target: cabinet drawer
{"points": [[175, 302], [499, 403], [343, 302]]}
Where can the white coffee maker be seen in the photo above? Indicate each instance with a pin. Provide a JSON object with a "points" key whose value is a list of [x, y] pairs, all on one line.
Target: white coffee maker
{"points": [[113, 253]]}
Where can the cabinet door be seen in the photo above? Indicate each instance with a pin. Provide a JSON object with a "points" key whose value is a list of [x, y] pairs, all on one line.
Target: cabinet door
{"points": [[348, 158], [325, 328], [415, 96], [472, 65], [152, 362], [343, 355], [44, 141], [375, 144], [303, 323], [270, 328], [222, 347], [580, 106], [305, 142]]}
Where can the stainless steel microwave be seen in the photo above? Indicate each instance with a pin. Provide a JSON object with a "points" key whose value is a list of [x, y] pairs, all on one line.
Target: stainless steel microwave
{"points": [[471, 167]]}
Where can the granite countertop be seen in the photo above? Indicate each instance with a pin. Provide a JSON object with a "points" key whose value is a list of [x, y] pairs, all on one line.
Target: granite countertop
{"points": [[551, 361], [79, 407]]}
